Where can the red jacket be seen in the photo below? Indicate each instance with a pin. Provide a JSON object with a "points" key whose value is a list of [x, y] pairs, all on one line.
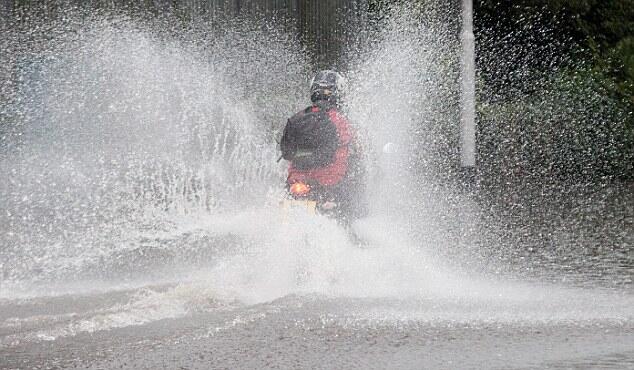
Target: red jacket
{"points": [[333, 173]]}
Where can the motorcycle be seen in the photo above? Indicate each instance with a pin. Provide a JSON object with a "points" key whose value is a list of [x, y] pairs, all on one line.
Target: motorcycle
{"points": [[312, 199]]}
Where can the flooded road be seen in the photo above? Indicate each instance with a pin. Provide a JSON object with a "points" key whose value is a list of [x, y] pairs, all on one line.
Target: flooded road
{"points": [[273, 303], [301, 332]]}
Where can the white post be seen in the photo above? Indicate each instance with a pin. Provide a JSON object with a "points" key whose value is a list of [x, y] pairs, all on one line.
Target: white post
{"points": [[467, 116]]}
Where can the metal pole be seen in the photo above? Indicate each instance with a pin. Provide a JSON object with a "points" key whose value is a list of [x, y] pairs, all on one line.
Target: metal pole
{"points": [[467, 116]]}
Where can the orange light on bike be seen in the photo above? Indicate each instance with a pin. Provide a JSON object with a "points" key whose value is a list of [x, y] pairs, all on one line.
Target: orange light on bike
{"points": [[300, 189]]}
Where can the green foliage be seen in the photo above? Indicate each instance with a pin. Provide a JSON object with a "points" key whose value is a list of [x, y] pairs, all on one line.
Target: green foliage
{"points": [[574, 117], [569, 130], [606, 28]]}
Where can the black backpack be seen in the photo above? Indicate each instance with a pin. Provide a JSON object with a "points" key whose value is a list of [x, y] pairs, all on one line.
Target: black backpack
{"points": [[310, 140]]}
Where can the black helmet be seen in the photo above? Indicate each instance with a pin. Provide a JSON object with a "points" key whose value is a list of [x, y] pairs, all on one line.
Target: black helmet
{"points": [[326, 86]]}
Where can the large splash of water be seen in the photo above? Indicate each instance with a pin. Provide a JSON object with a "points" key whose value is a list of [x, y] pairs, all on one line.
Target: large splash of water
{"points": [[146, 155], [124, 126]]}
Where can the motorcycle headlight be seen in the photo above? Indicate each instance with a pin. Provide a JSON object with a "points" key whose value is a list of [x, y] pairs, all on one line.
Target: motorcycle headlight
{"points": [[300, 189]]}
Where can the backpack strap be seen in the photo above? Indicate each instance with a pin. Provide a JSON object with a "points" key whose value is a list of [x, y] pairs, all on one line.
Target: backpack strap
{"points": [[343, 126], [312, 108]]}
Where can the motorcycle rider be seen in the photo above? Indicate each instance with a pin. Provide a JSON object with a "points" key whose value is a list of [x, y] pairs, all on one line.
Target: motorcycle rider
{"points": [[337, 174]]}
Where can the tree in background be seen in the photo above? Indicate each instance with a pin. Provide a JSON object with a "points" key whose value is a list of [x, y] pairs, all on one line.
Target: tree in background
{"points": [[556, 88]]}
